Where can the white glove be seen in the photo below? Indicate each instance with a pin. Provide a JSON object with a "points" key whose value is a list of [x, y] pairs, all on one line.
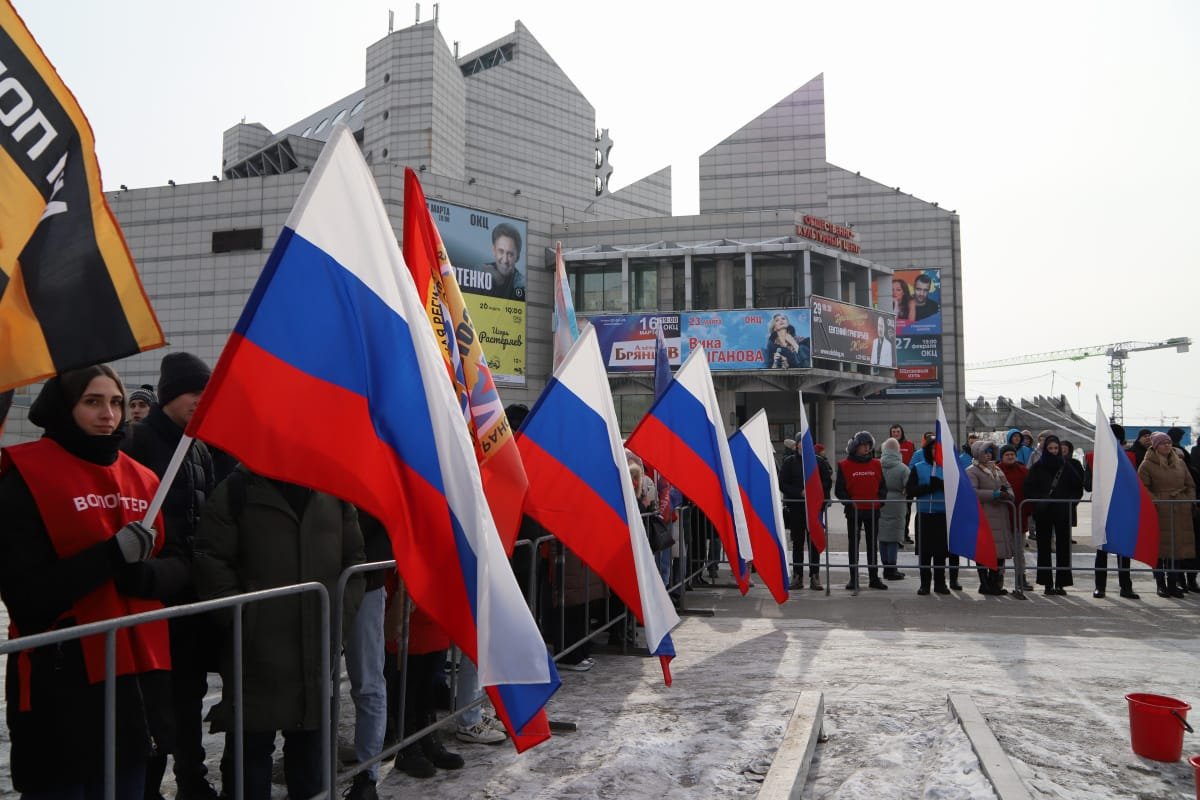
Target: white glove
{"points": [[136, 542]]}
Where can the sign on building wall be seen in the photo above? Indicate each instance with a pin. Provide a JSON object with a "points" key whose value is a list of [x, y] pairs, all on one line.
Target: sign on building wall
{"points": [[827, 233], [854, 334], [917, 302], [760, 338], [628, 341], [766, 338], [488, 254]]}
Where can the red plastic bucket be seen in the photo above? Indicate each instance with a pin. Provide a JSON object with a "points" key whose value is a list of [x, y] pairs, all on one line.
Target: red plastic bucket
{"points": [[1195, 762], [1156, 726]]}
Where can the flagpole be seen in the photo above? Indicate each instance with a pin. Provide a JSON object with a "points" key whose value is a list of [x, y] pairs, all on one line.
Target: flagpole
{"points": [[168, 478]]}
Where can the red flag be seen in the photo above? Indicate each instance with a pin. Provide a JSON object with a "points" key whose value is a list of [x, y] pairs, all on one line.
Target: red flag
{"points": [[504, 480]]}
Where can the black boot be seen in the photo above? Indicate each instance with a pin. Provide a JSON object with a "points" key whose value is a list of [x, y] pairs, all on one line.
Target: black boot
{"points": [[1192, 586], [436, 752], [412, 762]]}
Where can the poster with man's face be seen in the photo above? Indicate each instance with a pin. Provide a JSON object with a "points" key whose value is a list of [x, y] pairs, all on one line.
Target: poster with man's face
{"points": [[487, 251]]}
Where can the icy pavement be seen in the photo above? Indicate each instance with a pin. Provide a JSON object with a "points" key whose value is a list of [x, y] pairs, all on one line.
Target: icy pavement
{"points": [[1049, 674]]}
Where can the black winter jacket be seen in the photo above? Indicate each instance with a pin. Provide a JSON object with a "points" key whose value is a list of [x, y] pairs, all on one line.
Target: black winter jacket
{"points": [[151, 443]]}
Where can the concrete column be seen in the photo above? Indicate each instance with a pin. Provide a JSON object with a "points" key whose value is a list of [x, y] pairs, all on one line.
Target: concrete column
{"points": [[727, 400], [837, 280], [824, 428], [808, 280], [625, 283], [724, 283], [749, 279], [687, 280]]}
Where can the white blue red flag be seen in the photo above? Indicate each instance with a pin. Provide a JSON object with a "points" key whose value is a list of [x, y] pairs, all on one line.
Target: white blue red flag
{"points": [[504, 481], [967, 528], [662, 379], [563, 326], [750, 447], [334, 329], [581, 492], [814, 492], [1123, 517], [683, 436]]}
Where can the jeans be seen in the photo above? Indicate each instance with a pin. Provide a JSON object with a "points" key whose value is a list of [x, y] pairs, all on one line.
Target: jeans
{"points": [[130, 785], [468, 692], [663, 557], [888, 551], [368, 689]]}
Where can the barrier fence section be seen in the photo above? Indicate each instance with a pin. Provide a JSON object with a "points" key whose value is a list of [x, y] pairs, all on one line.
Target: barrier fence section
{"points": [[109, 628], [541, 567]]}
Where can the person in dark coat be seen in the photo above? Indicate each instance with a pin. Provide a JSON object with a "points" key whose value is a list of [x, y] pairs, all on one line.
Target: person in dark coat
{"points": [[69, 556], [152, 442], [1053, 482], [791, 485], [1124, 577], [260, 533]]}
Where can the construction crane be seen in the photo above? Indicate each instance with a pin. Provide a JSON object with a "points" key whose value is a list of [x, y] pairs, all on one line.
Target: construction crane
{"points": [[1117, 354]]}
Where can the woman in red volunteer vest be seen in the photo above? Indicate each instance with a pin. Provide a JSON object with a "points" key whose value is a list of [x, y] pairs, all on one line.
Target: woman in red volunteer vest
{"points": [[70, 540]]}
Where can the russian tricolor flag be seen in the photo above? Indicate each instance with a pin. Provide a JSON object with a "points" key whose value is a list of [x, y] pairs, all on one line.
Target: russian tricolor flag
{"points": [[750, 447], [581, 492], [1123, 517], [814, 492], [564, 330], [333, 379], [967, 528], [683, 436]]}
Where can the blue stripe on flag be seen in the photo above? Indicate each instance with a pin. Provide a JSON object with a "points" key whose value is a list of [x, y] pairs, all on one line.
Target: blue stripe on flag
{"points": [[754, 480], [597, 470], [524, 700], [1124, 508], [325, 321], [685, 416]]}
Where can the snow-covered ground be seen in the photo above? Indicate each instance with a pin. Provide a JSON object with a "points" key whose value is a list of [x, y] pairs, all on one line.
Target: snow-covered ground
{"points": [[1048, 673]]}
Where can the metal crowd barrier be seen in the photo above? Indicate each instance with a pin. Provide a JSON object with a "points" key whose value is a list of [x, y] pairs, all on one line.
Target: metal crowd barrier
{"points": [[109, 629]]}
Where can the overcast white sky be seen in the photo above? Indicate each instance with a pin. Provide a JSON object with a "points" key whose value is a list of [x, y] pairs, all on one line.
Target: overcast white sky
{"points": [[1065, 134]]}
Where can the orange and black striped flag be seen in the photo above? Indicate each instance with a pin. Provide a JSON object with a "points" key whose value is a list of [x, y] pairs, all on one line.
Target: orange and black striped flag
{"points": [[70, 295]]}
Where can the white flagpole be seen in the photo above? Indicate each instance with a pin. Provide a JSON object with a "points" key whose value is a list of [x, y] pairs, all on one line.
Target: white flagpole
{"points": [[168, 478]]}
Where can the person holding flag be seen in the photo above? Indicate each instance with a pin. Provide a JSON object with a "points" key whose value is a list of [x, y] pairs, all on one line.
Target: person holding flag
{"points": [[1111, 450], [926, 486], [62, 566]]}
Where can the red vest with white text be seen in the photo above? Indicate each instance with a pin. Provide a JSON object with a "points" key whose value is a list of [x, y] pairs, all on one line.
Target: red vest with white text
{"points": [[82, 504], [862, 481]]}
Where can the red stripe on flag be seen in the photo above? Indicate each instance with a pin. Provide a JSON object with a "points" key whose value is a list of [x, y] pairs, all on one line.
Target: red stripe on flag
{"points": [[582, 520], [766, 552], [694, 477], [250, 411]]}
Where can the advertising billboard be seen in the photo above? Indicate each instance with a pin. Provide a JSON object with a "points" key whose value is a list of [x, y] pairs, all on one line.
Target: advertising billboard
{"points": [[488, 254], [759, 338], [854, 334], [628, 341], [917, 301]]}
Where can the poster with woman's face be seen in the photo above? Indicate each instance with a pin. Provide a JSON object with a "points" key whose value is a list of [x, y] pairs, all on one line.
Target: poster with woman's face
{"points": [[917, 301]]}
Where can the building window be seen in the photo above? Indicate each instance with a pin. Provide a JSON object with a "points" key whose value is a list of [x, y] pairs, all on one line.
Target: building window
{"points": [[630, 410], [739, 283], [777, 284], [231, 241], [704, 284], [645, 287], [597, 288], [678, 288]]}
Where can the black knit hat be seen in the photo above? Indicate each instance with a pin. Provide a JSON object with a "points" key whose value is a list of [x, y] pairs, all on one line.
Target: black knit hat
{"points": [[181, 373]]}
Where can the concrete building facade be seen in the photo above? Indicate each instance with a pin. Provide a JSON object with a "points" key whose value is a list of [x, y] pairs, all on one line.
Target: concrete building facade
{"points": [[504, 131]]}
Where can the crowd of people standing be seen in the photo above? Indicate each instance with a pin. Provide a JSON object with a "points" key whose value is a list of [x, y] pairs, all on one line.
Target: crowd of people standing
{"points": [[1029, 490]]}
